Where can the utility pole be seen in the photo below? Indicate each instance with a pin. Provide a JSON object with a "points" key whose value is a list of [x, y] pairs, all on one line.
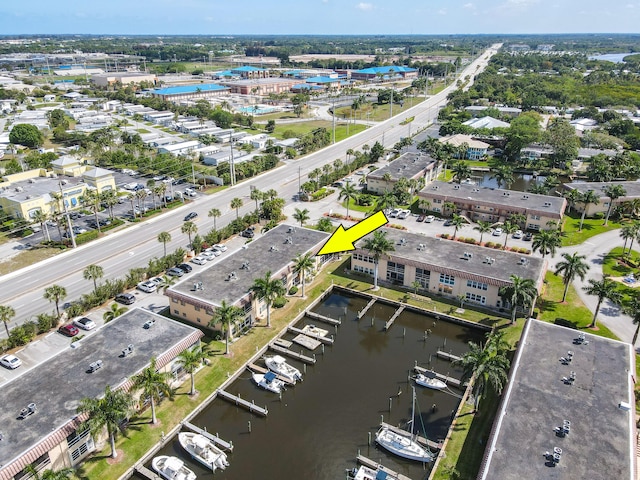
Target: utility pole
{"points": [[193, 174], [334, 119], [66, 214], [299, 183], [391, 104], [232, 169]]}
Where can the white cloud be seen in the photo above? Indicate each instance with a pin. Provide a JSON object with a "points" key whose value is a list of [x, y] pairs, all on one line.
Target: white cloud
{"points": [[469, 6], [521, 3], [442, 11], [364, 6]]}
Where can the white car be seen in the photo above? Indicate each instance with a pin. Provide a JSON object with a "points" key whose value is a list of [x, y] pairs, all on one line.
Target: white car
{"points": [[518, 234], [429, 218], [219, 246], [394, 213], [404, 214], [200, 260], [208, 256], [213, 250], [190, 192], [84, 323], [10, 361], [148, 286], [497, 232]]}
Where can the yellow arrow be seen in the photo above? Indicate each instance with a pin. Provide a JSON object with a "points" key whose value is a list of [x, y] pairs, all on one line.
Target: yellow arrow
{"points": [[342, 240]]}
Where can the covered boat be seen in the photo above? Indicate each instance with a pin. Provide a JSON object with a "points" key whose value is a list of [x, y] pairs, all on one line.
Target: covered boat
{"points": [[172, 468], [279, 365], [203, 450], [268, 381], [429, 380]]}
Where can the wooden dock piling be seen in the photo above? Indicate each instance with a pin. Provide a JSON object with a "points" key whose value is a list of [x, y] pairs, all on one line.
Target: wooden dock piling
{"points": [[252, 407]]}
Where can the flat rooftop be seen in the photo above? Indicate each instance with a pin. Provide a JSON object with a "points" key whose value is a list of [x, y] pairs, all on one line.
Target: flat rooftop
{"points": [[600, 445], [24, 190], [57, 385], [184, 89], [448, 256], [407, 165], [270, 252], [260, 81], [632, 188]]}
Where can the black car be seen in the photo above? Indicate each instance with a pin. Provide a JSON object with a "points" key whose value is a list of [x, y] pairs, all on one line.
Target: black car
{"points": [[125, 298], [247, 233], [185, 267], [190, 216], [528, 236]]}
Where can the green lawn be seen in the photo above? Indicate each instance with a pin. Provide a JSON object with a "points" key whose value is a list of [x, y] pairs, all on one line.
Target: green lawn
{"points": [[302, 128], [613, 267], [375, 112], [590, 228], [142, 130]]}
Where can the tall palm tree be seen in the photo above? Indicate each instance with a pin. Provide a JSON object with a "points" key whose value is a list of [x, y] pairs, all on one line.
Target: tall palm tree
{"points": [[503, 174], [63, 474], [461, 171], [301, 215], [613, 192], [268, 289], [385, 201], [215, 213], [605, 288], [628, 232], [227, 315], [190, 360], [164, 238], [40, 217], [6, 314], [573, 196], [508, 228], [348, 192], [154, 385], [256, 195], [521, 292], [302, 265], [237, 203], [571, 267], [55, 293], [482, 227], [114, 312], [547, 242], [458, 222], [189, 228], [587, 198], [107, 411], [633, 310], [93, 272], [378, 245]]}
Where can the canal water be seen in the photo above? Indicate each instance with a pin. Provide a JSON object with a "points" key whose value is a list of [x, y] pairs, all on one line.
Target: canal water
{"points": [[319, 425], [611, 57], [521, 182]]}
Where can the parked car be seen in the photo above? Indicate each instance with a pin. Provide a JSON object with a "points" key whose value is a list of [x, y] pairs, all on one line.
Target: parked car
{"points": [[199, 260], [69, 330], [447, 222], [157, 280], [247, 233], [84, 323], [518, 234], [394, 213], [429, 219], [125, 298], [10, 361], [190, 192], [404, 214], [220, 246], [420, 218], [208, 256], [185, 267], [175, 272], [528, 236], [77, 230], [148, 286], [190, 216], [497, 232]]}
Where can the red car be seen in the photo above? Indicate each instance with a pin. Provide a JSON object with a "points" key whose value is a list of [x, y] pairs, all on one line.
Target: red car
{"points": [[69, 330]]}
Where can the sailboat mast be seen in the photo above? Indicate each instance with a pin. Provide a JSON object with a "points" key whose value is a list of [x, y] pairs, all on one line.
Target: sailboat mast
{"points": [[413, 408]]}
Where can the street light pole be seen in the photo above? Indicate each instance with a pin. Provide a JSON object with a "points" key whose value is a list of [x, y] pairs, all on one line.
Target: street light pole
{"points": [[66, 214], [232, 169]]}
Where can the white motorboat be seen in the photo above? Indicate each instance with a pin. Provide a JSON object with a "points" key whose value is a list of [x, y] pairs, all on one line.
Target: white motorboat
{"points": [[430, 381], [172, 468], [279, 365], [203, 450], [363, 473], [268, 381]]}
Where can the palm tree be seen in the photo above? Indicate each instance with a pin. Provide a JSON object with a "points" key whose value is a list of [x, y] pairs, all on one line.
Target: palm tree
{"points": [[483, 227], [256, 195], [154, 385], [385, 201], [6, 314], [215, 213], [227, 315], [34, 474], [573, 196], [268, 289], [571, 267], [348, 192], [164, 238], [302, 265], [424, 204], [458, 222], [237, 203], [378, 246], [508, 228], [587, 198], [55, 293], [114, 312], [521, 292], [633, 310], [461, 171], [628, 232], [40, 217], [93, 272], [503, 174], [547, 241], [190, 360], [301, 215], [108, 411], [189, 228], [605, 288], [613, 192]]}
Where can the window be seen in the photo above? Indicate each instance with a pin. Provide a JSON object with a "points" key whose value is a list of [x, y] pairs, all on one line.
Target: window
{"points": [[197, 308], [535, 217], [475, 298], [80, 445], [478, 285], [395, 272], [176, 311], [174, 300], [363, 258], [447, 279], [423, 277], [437, 200], [358, 268]]}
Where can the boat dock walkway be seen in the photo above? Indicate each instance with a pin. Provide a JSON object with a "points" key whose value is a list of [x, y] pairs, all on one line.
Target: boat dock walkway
{"points": [[214, 438], [447, 356], [367, 307], [306, 341], [425, 441], [387, 325], [320, 338], [146, 473], [292, 354], [282, 343], [258, 369], [367, 462], [251, 406], [448, 380], [322, 318]]}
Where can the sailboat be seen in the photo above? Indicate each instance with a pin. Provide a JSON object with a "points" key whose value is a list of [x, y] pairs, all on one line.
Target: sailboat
{"points": [[403, 443]]}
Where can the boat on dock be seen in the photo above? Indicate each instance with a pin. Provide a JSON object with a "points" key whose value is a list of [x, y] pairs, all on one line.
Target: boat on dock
{"points": [[363, 473], [172, 468], [429, 381], [203, 450], [268, 381], [314, 331], [279, 365]]}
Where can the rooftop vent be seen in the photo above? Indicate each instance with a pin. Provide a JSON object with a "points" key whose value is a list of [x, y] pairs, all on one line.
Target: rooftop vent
{"points": [[273, 248], [505, 194], [523, 261], [624, 406], [422, 247], [489, 260], [244, 266], [403, 241], [467, 255], [288, 241], [197, 286], [64, 181], [547, 204], [26, 411], [291, 230], [524, 197], [32, 180], [94, 366], [456, 187], [19, 189], [435, 187]]}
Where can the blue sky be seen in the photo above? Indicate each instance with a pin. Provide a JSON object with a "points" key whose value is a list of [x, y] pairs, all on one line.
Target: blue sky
{"points": [[216, 17]]}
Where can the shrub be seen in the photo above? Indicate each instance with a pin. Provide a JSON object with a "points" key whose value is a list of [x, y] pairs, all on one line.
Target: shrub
{"points": [[445, 236], [279, 302], [86, 237], [293, 290]]}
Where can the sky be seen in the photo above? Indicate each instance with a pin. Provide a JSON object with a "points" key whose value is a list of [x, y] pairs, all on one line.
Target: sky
{"points": [[214, 17]]}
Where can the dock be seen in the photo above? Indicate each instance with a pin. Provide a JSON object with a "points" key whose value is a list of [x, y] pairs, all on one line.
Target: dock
{"points": [[367, 307], [367, 462], [292, 354], [241, 402], [282, 343], [258, 369], [306, 341], [146, 473], [387, 325], [322, 318], [320, 338], [447, 356], [425, 441], [228, 446], [448, 380]]}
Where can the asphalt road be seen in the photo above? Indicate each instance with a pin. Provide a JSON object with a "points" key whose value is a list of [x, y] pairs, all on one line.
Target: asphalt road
{"points": [[134, 246]]}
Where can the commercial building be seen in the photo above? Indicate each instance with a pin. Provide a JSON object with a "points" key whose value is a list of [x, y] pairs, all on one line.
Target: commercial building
{"points": [[260, 86], [494, 205], [449, 268], [568, 410], [486, 122], [384, 73], [123, 78], [409, 165], [476, 150], [190, 92], [180, 148], [50, 438], [195, 299], [632, 190], [478, 110]]}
